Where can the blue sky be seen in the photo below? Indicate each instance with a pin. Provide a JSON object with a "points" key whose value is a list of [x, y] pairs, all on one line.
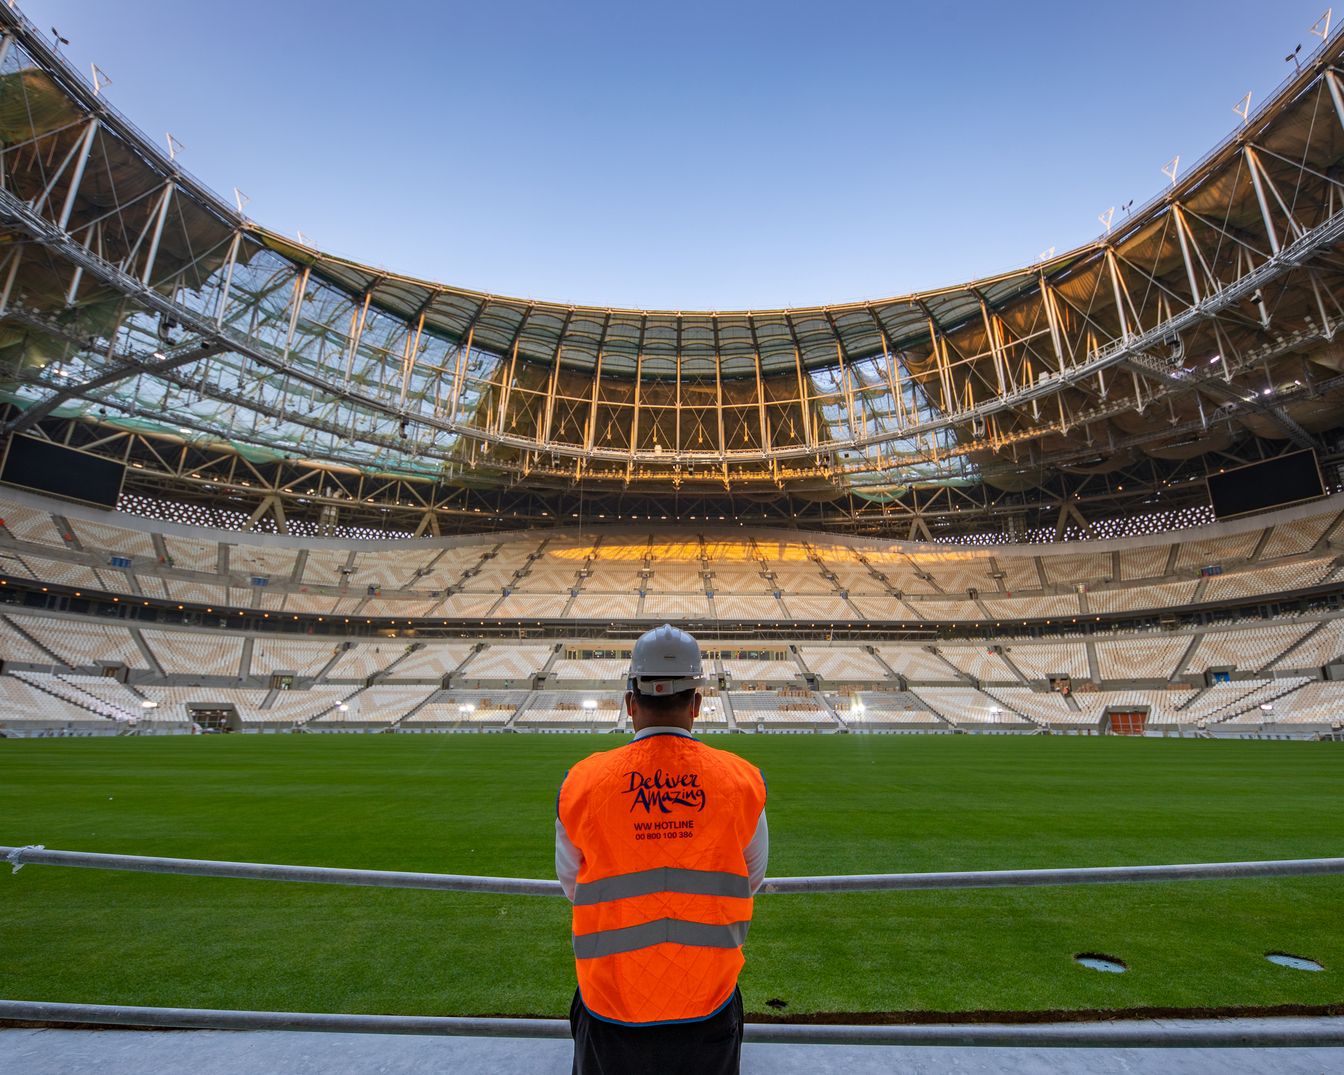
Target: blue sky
{"points": [[690, 155]]}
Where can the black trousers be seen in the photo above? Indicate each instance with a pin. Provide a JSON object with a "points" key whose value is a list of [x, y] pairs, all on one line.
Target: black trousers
{"points": [[712, 1046]]}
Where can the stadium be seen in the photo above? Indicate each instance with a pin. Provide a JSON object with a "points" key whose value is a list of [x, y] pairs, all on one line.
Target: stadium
{"points": [[1048, 568]]}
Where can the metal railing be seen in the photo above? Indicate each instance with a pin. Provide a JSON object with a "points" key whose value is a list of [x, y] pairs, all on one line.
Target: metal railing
{"points": [[1133, 1034], [1324, 1031], [37, 855]]}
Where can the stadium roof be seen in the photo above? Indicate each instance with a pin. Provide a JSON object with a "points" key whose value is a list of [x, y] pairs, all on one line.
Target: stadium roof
{"points": [[136, 298]]}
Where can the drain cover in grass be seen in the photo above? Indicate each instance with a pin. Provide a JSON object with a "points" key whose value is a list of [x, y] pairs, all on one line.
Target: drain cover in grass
{"points": [[1296, 962], [1106, 964]]}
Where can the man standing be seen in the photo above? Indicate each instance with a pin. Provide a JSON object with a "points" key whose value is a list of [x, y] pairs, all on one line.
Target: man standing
{"points": [[660, 845]]}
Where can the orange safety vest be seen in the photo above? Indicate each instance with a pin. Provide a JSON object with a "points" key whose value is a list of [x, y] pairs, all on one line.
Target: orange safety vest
{"points": [[663, 901]]}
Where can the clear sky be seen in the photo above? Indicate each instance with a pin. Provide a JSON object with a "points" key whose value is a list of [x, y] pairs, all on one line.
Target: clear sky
{"points": [[691, 155]]}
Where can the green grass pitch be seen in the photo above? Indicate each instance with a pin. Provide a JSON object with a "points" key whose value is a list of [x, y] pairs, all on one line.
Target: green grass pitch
{"points": [[853, 804]]}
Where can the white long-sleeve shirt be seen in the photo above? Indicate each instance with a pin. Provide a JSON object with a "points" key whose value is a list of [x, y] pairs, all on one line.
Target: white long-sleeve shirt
{"points": [[568, 857]]}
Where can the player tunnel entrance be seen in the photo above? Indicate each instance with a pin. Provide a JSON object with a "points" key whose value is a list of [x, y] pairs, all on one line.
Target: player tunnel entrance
{"points": [[1124, 721]]}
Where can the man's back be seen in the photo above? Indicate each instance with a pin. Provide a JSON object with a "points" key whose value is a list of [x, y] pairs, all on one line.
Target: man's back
{"points": [[663, 888]]}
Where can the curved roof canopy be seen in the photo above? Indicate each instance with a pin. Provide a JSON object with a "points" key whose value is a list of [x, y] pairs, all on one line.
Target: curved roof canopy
{"points": [[135, 296]]}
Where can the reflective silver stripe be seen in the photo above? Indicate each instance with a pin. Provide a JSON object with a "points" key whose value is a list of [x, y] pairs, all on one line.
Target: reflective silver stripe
{"points": [[662, 879], [610, 942]]}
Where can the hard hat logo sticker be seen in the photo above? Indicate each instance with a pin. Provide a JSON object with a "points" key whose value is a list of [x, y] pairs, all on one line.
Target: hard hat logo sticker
{"points": [[664, 791]]}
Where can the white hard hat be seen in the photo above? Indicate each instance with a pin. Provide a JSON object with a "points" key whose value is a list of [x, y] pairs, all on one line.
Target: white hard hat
{"points": [[665, 661]]}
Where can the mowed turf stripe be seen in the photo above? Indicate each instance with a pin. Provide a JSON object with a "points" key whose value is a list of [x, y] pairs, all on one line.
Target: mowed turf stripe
{"points": [[485, 804]]}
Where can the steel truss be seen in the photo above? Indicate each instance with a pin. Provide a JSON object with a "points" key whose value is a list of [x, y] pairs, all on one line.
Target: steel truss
{"points": [[139, 308]]}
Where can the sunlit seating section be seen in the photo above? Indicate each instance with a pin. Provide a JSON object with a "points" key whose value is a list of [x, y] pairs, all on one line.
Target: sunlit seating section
{"points": [[819, 607], [25, 709], [433, 662], [507, 663], [747, 671], [83, 643], [591, 670], [195, 653], [976, 660], [1043, 660], [915, 663], [747, 607], [676, 606], [842, 664], [1267, 579], [29, 524], [1142, 657], [1248, 649], [530, 606]]}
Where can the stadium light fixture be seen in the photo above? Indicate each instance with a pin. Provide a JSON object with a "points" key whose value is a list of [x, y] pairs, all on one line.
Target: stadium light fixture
{"points": [[589, 704], [149, 704]]}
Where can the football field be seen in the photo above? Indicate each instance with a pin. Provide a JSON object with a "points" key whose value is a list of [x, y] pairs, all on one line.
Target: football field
{"points": [[480, 804]]}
